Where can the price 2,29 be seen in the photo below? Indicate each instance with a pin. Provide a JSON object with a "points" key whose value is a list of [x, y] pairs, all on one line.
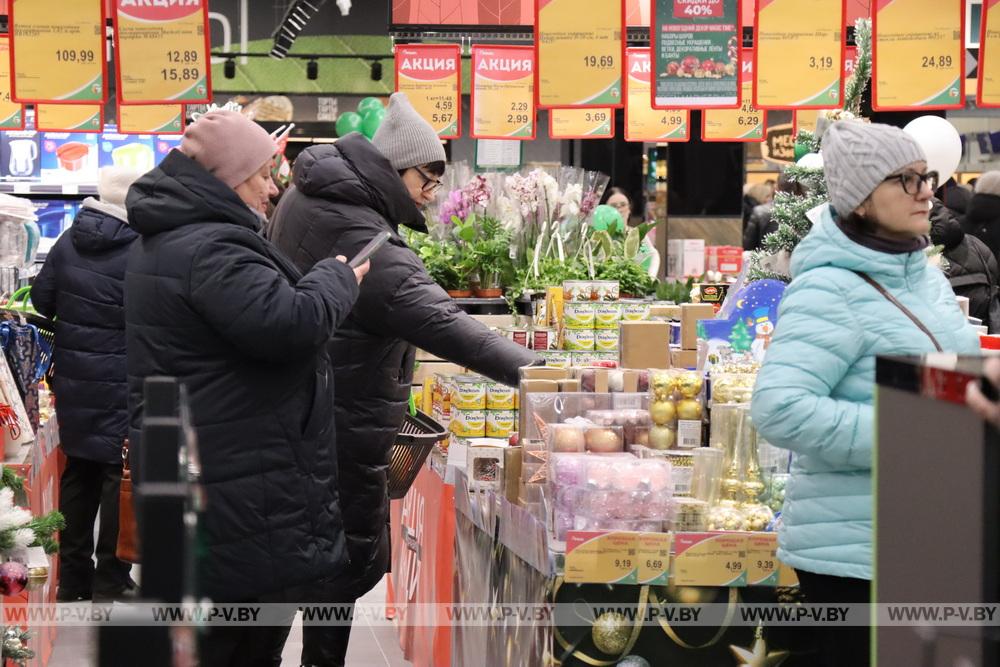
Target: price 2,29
{"points": [[75, 55], [599, 62], [180, 74], [935, 61]]}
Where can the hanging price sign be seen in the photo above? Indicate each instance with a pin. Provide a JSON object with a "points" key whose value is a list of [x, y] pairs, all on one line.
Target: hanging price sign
{"points": [[11, 113], [762, 562], [799, 45], [918, 49], [653, 556], [581, 47], [805, 119], [162, 51], [696, 54], [503, 92], [988, 83], [581, 123], [431, 77], [150, 118], [69, 117], [57, 51], [642, 121], [710, 559], [744, 124]]}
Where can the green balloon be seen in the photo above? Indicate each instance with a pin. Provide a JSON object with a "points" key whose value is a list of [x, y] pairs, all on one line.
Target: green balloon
{"points": [[371, 120], [801, 150], [369, 104], [607, 218], [347, 123]]}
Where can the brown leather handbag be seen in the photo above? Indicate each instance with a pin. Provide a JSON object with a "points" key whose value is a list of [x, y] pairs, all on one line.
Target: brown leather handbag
{"points": [[128, 534]]}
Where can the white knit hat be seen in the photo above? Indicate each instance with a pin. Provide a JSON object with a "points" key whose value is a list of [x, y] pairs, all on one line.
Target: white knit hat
{"points": [[113, 184], [405, 138], [857, 156]]}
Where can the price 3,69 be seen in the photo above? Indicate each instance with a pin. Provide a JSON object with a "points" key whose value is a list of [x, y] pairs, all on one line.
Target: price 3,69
{"points": [[597, 117]]}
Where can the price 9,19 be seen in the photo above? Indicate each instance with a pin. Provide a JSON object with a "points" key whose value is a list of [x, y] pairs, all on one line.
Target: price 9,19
{"points": [[623, 563]]}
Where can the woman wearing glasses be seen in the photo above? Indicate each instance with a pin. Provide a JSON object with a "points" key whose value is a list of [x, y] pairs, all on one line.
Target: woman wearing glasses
{"points": [[343, 194], [860, 287]]}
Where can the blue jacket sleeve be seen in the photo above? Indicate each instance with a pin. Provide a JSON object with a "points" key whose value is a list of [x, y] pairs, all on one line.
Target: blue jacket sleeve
{"points": [[816, 341]]}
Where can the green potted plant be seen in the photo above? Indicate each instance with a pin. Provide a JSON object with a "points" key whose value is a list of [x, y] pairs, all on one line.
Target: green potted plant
{"points": [[491, 255]]}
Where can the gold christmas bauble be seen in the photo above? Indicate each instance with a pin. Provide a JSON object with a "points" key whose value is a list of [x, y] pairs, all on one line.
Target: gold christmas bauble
{"points": [[688, 409], [610, 633], [690, 384], [689, 594], [661, 437], [663, 384], [663, 412]]}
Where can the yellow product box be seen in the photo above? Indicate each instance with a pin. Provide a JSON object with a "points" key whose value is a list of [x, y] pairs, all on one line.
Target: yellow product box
{"points": [[468, 423], [500, 397], [500, 423], [468, 392]]}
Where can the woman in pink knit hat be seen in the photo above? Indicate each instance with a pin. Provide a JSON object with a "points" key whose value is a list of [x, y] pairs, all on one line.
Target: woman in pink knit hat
{"points": [[210, 302]]}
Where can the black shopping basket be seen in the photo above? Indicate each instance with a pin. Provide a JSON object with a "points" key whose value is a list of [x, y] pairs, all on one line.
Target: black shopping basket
{"points": [[414, 442]]}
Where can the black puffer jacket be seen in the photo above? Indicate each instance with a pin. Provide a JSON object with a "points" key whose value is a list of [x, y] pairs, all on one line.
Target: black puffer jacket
{"points": [[761, 224], [982, 220], [82, 285], [343, 195], [972, 268], [210, 302]]}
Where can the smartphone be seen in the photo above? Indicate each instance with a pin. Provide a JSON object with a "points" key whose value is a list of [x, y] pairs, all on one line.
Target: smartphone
{"points": [[369, 249]]}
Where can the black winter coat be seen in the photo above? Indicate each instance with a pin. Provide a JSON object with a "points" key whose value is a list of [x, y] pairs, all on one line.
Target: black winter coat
{"points": [[760, 225], [982, 220], [209, 301], [972, 269], [81, 285], [343, 195]]}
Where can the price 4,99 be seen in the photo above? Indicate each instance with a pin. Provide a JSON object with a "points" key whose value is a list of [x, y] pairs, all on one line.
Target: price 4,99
{"points": [[671, 120], [734, 566]]}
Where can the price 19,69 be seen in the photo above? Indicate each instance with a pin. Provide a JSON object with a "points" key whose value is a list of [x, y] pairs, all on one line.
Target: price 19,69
{"points": [[599, 62], [75, 55]]}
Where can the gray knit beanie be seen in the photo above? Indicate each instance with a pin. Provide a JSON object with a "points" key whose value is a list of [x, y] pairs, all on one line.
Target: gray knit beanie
{"points": [[989, 183], [406, 139], [857, 157]]}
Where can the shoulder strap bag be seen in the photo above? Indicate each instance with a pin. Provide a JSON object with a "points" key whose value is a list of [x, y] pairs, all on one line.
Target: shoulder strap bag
{"points": [[906, 311]]}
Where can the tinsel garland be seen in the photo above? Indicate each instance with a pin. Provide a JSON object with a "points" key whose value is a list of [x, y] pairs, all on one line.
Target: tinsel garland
{"points": [[14, 645], [19, 531], [854, 89]]}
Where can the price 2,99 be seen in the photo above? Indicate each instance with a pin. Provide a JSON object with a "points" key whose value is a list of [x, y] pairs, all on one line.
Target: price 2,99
{"points": [[75, 55], [519, 118], [935, 61], [599, 62], [180, 74]]}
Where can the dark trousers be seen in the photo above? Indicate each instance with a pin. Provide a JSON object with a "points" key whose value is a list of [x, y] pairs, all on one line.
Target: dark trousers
{"points": [[85, 488], [838, 646], [249, 646], [326, 645]]}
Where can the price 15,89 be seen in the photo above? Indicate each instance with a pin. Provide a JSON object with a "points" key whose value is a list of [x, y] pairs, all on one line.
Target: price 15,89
{"points": [[180, 74]]}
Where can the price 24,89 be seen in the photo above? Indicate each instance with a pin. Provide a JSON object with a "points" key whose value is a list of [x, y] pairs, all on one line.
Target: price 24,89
{"points": [[75, 55], [935, 61], [180, 74]]}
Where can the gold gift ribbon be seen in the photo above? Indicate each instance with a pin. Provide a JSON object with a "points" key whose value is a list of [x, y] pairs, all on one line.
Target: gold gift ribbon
{"points": [[644, 593], [730, 611]]}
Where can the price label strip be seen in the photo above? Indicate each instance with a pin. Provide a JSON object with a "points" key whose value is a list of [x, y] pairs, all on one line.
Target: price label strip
{"points": [[601, 557], [988, 82], [642, 121], [918, 49], [431, 76], [744, 124], [57, 51], [696, 54], [150, 118], [581, 123], [11, 113], [503, 92], [653, 558], [69, 117], [162, 52], [580, 49], [710, 559], [799, 45]]}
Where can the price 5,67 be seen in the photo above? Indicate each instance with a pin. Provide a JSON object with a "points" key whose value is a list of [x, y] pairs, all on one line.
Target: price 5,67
{"points": [[442, 118]]}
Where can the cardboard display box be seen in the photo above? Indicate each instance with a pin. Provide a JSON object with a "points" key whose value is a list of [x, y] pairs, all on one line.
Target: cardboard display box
{"points": [[691, 313], [645, 344]]}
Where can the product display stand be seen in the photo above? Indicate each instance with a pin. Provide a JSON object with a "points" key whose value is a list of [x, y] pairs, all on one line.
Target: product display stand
{"points": [[936, 530]]}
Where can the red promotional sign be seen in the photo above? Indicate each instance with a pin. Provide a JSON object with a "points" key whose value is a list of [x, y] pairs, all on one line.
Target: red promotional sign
{"points": [[431, 76], [704, 9], [503, 92]]}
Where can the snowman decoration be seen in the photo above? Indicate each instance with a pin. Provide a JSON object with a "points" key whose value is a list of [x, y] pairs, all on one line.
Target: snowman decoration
{"points": [[763, 328]]}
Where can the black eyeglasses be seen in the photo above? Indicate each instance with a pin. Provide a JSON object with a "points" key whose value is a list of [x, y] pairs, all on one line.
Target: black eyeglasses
{"points": [[912, 181], [431, 185]]}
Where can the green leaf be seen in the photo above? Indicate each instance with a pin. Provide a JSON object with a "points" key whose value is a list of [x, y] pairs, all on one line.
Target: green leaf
{"points": [[632, 241]]}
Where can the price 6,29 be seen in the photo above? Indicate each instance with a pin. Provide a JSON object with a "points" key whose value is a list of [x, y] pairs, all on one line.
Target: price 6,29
{"points": [[749, 121]]}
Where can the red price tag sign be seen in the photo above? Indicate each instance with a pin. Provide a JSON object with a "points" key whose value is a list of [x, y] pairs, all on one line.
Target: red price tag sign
{"points": [[697, 9]]}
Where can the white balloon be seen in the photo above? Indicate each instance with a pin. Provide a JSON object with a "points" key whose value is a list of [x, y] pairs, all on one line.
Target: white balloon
{"points": [[811, 161], [940, 141]]}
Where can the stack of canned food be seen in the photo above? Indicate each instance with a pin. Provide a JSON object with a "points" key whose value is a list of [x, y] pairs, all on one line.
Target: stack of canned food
{"points": [[592, 315], [480, 408]]}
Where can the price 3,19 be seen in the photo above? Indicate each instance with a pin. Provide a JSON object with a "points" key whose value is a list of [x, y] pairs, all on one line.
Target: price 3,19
{"points": [[821, 62]]}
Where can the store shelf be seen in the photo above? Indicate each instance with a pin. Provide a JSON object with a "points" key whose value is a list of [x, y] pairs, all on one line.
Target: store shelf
{"points": [[51, 189]]}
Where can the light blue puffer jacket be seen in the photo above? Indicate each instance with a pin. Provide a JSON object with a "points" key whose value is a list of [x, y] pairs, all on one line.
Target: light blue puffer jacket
{"points": [[814, 392]]}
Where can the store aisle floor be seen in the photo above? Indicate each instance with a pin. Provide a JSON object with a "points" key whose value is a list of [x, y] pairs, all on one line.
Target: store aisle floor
{"points": [[370, 646]]}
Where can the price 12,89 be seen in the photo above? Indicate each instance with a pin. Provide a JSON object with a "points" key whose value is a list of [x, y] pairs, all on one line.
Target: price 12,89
{"points": [[75, 55], [182, 56]]}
